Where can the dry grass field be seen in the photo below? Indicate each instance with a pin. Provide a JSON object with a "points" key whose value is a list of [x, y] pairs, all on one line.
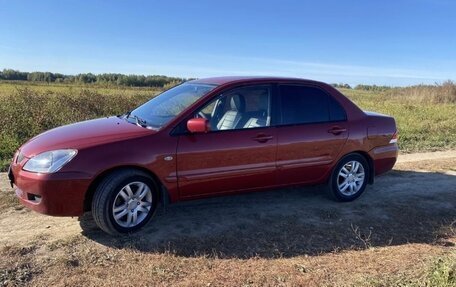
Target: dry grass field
{"points": [[401, 232], [424, 114]]}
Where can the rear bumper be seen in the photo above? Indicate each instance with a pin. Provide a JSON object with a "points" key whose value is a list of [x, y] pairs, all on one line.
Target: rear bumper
{"points": [[58, 194], [384, 158]]}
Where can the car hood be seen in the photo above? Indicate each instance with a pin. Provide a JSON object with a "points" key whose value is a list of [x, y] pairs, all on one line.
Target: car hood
{"points": [[84, 134]]}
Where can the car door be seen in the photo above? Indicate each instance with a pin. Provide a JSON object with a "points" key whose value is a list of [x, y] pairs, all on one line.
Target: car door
{"points": [[311, 134], [239, 151]]}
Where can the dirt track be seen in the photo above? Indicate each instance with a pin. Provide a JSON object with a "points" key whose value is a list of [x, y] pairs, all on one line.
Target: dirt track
{"points": [[424, 196], [413, 204]]}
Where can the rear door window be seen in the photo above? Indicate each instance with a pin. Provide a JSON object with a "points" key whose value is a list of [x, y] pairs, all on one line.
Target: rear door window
{"points": [[336, 111], [303, 105]]}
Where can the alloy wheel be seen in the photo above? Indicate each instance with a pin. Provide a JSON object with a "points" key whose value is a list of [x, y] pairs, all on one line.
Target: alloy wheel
{"points": [[351, 178], [132, 204]]}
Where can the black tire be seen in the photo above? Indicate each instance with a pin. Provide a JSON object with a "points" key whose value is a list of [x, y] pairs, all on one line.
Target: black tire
{"points": [[336, 180], [108, 190]]}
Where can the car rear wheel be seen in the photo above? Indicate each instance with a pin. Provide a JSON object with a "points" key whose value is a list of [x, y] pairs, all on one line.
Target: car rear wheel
{"points": [[349, 178], [124, 201]]}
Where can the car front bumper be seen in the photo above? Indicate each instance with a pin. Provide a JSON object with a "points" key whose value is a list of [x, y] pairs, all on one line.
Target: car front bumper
{"points": [[58, 194]]}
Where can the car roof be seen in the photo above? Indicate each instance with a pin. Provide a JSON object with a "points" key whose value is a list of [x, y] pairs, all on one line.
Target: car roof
{"points": [[247, 79]]}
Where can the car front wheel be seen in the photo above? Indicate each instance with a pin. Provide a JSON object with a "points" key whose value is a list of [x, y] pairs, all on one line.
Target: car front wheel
{"points": [[124, 201], [349, 178]]}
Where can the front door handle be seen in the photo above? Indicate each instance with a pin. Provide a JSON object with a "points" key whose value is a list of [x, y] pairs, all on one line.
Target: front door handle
{"points": [[337, 130], [262, 138]]}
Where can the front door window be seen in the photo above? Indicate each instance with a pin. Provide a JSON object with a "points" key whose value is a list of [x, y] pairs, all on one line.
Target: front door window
{"points": [[242, 108]]}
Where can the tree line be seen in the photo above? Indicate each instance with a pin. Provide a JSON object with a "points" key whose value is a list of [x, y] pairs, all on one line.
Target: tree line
{"points": [[158, 81], [374, 88]]}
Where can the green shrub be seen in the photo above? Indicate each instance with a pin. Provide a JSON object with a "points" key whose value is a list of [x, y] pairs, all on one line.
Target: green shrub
{"points": [[27, 112], [443, 272]]}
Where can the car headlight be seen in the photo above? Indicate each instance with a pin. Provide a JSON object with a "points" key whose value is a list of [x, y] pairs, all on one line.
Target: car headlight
{"points": [[50, 161]]}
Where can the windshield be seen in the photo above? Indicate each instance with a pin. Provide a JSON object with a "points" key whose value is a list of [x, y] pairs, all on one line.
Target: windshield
{"points": [[163, 108]]}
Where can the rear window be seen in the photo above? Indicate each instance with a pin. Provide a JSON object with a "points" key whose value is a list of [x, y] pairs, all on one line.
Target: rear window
{"points": [[301, 104]]}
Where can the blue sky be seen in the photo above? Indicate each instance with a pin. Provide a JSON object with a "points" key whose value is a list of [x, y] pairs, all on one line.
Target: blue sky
{"points": [[391, 42]]}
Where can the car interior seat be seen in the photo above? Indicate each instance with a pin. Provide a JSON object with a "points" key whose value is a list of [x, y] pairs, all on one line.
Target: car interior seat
{"points": [[233, 116], [261, 118]]}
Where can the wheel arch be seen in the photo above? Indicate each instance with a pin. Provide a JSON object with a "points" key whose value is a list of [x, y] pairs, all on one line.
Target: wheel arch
{"points": [[88, 197]]}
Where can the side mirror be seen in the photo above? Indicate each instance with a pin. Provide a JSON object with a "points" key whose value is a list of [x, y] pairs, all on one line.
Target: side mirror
{"points": [[198, 125]]}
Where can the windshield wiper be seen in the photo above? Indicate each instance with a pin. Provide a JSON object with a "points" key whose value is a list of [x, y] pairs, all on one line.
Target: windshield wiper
{"points": [[138, 121]]}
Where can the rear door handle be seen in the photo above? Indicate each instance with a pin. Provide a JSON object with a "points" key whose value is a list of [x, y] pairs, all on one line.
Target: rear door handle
{"points": [[263, 138], [337, 130]]}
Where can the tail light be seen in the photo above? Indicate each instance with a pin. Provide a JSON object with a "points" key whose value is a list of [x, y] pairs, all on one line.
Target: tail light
{"points": [[394, 138]]}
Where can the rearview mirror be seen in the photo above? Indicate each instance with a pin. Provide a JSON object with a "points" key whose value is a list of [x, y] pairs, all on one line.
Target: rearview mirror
{"points": [[198, 125]]}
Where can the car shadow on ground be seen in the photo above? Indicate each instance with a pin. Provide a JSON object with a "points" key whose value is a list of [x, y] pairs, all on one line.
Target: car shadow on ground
{"points": [[401, 207]]}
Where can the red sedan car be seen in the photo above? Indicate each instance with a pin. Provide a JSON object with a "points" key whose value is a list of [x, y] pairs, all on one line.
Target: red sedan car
{"points": [[203, 138]]}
